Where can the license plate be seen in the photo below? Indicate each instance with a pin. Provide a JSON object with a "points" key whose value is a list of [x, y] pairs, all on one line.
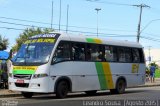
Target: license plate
{"points": [[20, 81]]}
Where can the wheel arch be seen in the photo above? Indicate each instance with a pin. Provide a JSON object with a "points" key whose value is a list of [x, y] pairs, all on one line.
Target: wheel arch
{"points": [[63, 78]]}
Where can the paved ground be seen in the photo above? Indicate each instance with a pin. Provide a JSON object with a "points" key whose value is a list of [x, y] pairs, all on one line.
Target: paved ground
{"points": [[142, 96], [8, 93]]}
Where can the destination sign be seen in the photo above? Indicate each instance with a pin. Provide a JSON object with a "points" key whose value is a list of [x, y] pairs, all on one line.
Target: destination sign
{"points": [[40, 40], [51, 35]]}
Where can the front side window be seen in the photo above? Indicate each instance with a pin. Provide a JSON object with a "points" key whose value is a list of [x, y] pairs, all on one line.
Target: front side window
{"points": [[62, 52]]}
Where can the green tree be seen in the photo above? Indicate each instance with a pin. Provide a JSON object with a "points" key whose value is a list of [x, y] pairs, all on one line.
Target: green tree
{"points": [[3, 43], [28, 33], [154, 64]]}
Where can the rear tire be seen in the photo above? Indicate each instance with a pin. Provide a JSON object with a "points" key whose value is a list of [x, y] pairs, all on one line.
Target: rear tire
{"points": [[62, 89], [91, 92], [27, 94], [120, 87]]}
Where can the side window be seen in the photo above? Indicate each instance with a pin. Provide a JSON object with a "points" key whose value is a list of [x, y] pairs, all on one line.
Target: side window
{"points": [[128, 56], [121, 54], [110, 53], [95, 52], [78, 51], [62, 52], [141, 55], [136, 56], [124, 54]]}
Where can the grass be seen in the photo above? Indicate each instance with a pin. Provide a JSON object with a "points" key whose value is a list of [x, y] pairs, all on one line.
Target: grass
{"points": [[157, 73]]}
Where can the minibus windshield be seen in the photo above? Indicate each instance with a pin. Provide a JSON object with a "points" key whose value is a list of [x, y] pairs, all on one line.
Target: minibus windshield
{"points": [[36, 53]]}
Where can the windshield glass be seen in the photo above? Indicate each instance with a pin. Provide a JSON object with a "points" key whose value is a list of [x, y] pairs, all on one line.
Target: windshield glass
{"points": [[36, 50], [34, 53]]}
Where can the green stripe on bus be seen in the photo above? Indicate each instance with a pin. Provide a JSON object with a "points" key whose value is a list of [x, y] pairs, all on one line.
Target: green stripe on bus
{"points": [[23, 71], [101, 75], [90, 40]]}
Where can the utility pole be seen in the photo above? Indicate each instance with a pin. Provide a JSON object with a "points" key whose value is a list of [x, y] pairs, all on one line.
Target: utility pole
{"points": [[52, 16], [149, 54], [140, 16], [67, 19], [97, 9], [59, 15]]}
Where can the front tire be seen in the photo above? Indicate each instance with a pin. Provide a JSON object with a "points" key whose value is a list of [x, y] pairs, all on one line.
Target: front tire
{"points": [[27, 94], [62, 89]]}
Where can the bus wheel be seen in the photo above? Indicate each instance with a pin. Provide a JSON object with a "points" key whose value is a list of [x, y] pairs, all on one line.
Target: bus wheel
{"points": [[27, 94], [120, 86], [91, 92], [62, 89]]}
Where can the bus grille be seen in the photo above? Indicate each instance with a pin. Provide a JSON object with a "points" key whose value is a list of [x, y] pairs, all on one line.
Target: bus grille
{"points": [[22, 85], [22, 76]]}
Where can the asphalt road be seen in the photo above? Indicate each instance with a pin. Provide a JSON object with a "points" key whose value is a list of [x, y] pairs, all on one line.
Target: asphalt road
{"points": [[147, 96]]}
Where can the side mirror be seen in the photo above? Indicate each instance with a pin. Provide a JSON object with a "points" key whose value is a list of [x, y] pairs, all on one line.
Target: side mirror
{"points": [[10, 54], [54, 59]]}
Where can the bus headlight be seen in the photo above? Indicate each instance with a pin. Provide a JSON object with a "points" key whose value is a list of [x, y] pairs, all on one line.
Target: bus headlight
{"points": [[40, 75]]}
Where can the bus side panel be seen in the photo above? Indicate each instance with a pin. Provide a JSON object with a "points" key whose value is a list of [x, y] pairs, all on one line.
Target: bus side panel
{"points": [[87, 76], [83, 75], [134, 73]]}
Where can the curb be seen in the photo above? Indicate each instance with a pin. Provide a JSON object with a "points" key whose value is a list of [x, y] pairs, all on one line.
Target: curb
{"points": [[10, 95], [140, 86], [149, 85]]}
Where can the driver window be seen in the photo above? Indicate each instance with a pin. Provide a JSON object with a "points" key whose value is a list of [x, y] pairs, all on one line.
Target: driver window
{"points": [[62, 52]]}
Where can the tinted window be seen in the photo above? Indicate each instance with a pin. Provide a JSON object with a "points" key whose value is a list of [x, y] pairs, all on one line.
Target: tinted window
{"points": [[78, 51], [62, 52], [124, 54], [141, 55], [110, 53], [95, 52], [128, 56], [136, 56], [121, 55]]}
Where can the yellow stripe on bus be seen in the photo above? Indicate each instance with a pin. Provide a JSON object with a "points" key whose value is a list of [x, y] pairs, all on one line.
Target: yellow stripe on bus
{"points": [[25, 68], [108, 75], [96, 40]]}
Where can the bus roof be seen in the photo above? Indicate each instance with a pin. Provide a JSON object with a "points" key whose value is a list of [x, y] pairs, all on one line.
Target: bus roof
{"points": [[98, 40]]}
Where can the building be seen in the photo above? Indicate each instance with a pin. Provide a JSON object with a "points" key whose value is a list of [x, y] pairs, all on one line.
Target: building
{"points": [[152, 55]]}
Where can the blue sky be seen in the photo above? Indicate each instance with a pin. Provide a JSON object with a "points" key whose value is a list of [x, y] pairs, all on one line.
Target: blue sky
{"points": [[114, 19]]}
